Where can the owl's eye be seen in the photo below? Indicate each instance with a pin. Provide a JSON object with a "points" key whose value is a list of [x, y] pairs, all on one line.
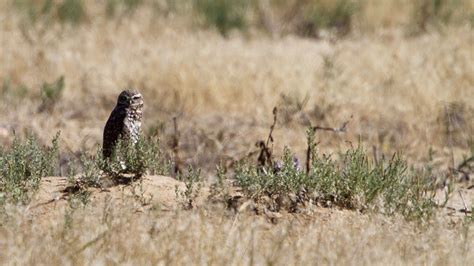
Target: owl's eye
{"points": [[136, 97]]}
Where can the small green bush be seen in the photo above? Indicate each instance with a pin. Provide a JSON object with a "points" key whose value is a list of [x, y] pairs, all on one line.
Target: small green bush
{"points": [[51, 93], [337, 15], [23, 166], [112, 6], [353, 182], [128, 162], [225, 15], [137, 159], [435, 13], [35, 10], [11, 93], [71, 11], [193, 184], [258, 182]]}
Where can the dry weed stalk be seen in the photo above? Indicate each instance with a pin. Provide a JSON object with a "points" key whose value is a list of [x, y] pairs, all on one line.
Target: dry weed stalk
{"points": [[265, 157], [465, 210], [175, 147], [314, 129], [463, 168]]}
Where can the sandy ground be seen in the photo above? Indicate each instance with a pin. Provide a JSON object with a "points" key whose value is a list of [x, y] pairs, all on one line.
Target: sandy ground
{"points": [[160, 192], [51, 199]]}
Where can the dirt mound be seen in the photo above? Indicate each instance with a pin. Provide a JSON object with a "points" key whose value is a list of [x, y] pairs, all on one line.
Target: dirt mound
{"points": [[51, 198]]}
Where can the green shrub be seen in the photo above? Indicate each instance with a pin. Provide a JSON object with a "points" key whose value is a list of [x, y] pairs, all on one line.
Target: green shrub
{"points": [[137, 159], [128, 162], [91, 171], [258, 182], [35, 10], [333, 15], [193, 184], [23, 166], [51, 93], [71, 11], [112, 6], [353, 181], [225, 15], [11, 93], [436, 13]]}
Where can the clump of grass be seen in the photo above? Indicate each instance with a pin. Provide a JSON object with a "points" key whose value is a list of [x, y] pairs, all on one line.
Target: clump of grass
{"points": [[435, 13], [225, 15], [112, 6], [91, 170], [219, 190], [353, 181], [264, 181], [388, 187], [11, 93], [71, 11], [332, 15], [51, 93], [35, 10], [128, 162], [79, 198], [137, 159], [23, 166], [67, 11], [193, 184], [454, 119]]}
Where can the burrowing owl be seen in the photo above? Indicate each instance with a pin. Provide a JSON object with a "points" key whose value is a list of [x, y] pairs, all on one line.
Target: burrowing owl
{"points": [[124, 122]]}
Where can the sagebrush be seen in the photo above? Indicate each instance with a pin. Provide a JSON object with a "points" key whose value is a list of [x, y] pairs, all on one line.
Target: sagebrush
{"points": [[22, 167], [352, 181]]}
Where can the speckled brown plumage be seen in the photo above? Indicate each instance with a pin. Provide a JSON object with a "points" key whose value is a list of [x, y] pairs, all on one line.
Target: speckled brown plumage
{"points": [[124, 122]]}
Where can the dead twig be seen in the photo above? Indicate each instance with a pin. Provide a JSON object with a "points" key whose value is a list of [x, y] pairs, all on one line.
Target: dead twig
{"points": [[265, 157], [375, 154], [266, 17], [463, 202], [460, 169], [466, 162], [272, 127], [175, 147], [92, 242], [308, 158], [340, 129], [309, 150]]}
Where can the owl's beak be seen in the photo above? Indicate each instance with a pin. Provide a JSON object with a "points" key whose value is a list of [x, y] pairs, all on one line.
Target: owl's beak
{"points": [[137, 100], [137, 96]]}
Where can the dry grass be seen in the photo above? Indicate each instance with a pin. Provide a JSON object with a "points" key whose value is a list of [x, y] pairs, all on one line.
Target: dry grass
{"points": [[121, 235], [395, 87], [116, 227], [404, 93]]}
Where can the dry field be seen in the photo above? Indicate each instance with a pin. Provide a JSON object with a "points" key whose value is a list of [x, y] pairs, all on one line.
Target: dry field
{"points": [[143, 225], [413, 94]]}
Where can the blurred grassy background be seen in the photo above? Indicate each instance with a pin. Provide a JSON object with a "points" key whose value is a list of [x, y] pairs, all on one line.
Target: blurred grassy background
{"points": [[402, 69]]}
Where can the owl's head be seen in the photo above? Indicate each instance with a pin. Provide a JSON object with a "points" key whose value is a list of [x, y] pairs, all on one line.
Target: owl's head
{"points": [[130, 98]]}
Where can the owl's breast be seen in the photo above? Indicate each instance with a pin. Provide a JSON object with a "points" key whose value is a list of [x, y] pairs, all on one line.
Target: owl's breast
{"points": [[132, 126]]}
